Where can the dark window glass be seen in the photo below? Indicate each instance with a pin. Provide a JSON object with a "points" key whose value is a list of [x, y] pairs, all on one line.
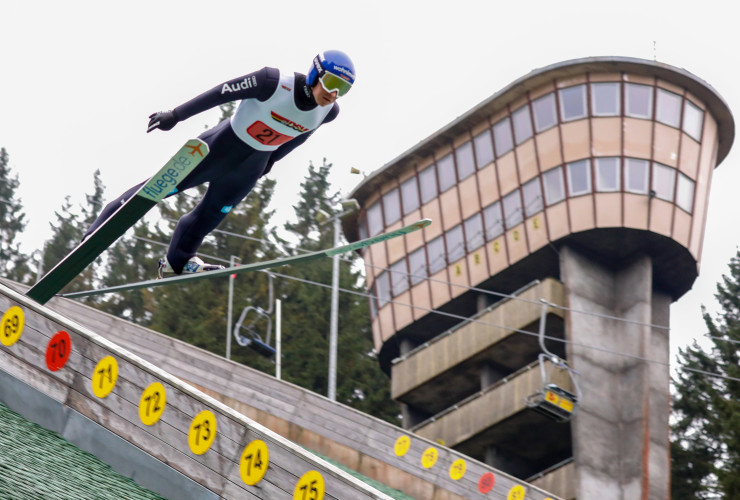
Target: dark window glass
{"points": [[410, 195], [607, 174], [363, 228], [693, 119], [418, 266], [428, 184], [483, 148], [554, 185], [375, 219], [605, 99], [391, 206], [513, 209], [579, 177], [446, 170], [544, 112], [399, 277], [573, 102], [664, 180], [522, 124], [494, 220], [436, 253], [685, 193], [383, 289], [636, 173], [668, 108], [455, 243], [639, 100], [474, 232], [465, 160], [502, 137], [532, 193]]}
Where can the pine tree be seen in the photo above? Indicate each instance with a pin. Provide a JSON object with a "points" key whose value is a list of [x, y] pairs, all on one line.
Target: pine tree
{"points": [[13, 263], [307, 309], [129, 260], [196, 312], [94, 201], [705, 447], [67, 233]]}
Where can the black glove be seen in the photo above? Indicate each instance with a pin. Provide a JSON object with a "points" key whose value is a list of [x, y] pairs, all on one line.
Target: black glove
{"points": [[163, 120]]}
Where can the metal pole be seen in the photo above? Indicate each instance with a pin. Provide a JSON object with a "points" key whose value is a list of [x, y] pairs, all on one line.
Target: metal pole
{"points": [[278, 337], [334, 316], [230, 310]]}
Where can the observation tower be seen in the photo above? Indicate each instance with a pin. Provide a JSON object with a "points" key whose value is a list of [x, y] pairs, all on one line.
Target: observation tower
{"points": [[569, 212]]}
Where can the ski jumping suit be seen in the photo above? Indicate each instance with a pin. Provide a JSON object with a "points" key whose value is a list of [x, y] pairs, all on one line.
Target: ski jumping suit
{"points": [[277, 113]]}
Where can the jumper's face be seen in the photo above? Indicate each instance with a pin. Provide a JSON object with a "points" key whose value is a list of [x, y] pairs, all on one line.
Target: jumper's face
{"points": [[322, 97]]}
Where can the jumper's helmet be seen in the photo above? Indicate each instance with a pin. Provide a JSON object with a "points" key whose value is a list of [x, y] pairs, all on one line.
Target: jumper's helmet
{"points": [[334, 70]]}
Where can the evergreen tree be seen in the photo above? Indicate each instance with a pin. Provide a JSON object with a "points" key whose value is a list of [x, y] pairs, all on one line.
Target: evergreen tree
{"points": [[13, 263], [129, 260], [705, 448], [196, 312], [67, 233], [95, 200], [307, 308]]}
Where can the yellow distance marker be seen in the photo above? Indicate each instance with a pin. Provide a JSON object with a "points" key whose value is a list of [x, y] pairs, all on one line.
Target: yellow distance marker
{"points": [[254, 462], [11, 326], [309, 487], [429, 457], [202, 432], [402, 446], [457, 469], [105, 376], [152, 403], [517, 493]]}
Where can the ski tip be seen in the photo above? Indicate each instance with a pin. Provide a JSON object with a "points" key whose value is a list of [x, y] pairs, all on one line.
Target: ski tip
{"points": [[421, 224]]}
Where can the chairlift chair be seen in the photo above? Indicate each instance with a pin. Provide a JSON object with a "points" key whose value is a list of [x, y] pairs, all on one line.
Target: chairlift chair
{"points": [[253, 340], [553, 401]]}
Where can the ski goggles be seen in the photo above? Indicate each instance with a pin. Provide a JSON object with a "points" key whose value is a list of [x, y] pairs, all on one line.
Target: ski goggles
{"points": [[333, 83]]}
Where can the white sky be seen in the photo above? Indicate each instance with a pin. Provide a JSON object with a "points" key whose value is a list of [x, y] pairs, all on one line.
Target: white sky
{"points": [[78, 80]]}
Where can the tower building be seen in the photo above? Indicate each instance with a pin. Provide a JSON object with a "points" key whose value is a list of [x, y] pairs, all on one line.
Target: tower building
{"points": [[569, 212]]}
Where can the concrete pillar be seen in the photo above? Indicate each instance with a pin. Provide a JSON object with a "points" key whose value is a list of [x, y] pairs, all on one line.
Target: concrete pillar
{"points": [[620, 433], [482, 300], [489, 375], [406, 346], [410, 416]]}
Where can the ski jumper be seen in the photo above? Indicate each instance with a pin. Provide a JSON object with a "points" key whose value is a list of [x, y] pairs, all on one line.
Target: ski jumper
{"points": [[277, 113]]}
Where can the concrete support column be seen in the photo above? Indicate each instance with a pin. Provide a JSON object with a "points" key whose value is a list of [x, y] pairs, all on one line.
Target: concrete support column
{"points": [[410, 416], [406, 346], [489, 375], [620, 433], [482, 300]]}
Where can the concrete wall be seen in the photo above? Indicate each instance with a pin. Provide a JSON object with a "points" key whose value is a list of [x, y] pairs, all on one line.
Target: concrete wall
{"points": [[620, 434]]}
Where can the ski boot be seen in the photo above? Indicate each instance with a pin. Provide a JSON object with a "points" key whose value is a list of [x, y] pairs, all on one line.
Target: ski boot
{"points": [[194, 265]]}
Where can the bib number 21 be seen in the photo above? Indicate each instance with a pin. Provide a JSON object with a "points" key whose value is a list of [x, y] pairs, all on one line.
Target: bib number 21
{"points": [[266, 135]]}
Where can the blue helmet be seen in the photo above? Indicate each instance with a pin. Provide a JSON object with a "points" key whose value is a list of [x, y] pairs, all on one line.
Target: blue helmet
{"points": [[334, 69]]}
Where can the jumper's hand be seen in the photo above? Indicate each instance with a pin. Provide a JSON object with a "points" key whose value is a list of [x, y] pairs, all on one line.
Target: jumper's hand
{"points": [[163, 120]]}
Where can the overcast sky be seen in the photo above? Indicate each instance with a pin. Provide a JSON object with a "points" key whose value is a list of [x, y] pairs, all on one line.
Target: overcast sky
{"points": [[78, 80]]}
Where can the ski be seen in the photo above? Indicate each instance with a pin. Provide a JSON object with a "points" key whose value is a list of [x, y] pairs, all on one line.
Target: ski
{"points": [[256, 266], [130, 212]]}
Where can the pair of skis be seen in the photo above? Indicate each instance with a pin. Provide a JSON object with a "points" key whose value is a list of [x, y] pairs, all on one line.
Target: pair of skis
{"points": [[151, 193]]}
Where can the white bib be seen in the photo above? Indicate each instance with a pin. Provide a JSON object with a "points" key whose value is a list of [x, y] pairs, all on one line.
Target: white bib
{"points": [[267, 125]]}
